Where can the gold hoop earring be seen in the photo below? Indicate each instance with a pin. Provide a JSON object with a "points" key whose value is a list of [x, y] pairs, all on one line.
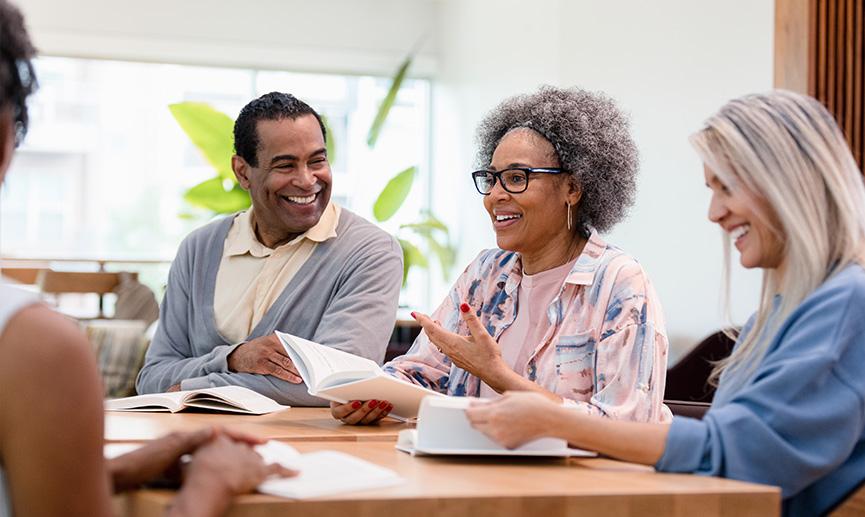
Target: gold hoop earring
{"points": [[569, 216]]}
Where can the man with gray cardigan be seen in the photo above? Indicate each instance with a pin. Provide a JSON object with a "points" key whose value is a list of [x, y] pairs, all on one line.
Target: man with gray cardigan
{"points": [[294, 262]]}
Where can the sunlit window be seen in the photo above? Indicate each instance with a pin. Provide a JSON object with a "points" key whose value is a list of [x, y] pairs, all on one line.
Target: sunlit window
{"points": [[104, 167]]}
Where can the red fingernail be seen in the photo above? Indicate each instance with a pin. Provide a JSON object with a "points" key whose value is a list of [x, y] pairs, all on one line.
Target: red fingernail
{"points": [[390, 408], [356, 404], [465, 307], [373, 404], [414, 315]]}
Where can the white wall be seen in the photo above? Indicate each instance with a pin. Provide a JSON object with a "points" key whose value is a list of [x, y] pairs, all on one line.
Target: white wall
{"points": [[670, 63], [348, 36]]}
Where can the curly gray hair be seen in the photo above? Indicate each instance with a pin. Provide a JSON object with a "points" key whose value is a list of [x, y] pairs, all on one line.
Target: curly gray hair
{"points": [[592, 140]]}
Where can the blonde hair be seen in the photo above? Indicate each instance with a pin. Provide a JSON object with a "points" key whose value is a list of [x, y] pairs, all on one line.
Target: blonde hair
{"points": [[785, 151]]}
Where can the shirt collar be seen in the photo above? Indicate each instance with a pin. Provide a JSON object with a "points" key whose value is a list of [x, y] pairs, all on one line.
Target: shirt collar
{"points": [[242, 240], [582, 273]]}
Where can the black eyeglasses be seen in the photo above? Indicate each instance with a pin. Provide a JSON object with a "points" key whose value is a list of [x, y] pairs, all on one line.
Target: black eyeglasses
{"points": [[514, 180]]}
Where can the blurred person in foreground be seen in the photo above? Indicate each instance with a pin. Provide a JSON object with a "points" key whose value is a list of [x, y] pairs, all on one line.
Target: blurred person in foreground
{"points": [[51, 416]]}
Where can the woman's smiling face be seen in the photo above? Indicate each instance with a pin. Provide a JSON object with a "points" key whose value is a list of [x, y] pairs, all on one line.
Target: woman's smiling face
{"points": [[746, 219], [527, 222]]}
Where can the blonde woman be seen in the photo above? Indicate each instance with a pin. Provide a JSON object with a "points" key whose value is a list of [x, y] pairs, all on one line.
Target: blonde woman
{"points": [[790, 405]]}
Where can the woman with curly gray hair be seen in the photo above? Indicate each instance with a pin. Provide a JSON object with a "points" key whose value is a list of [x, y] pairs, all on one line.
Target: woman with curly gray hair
{"points": [[554, 310]]}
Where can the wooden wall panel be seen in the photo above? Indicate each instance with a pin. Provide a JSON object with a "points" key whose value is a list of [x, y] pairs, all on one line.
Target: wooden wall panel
{"points": [[819, 51]]}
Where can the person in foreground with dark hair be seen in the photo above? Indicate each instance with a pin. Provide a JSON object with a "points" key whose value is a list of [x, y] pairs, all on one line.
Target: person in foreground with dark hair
{"points": [[51, 417], [294, 262], [555, 309], [789, 408]]}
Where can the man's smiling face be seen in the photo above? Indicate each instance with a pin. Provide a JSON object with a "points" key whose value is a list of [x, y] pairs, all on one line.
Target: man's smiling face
{"points": [[290, 185]]}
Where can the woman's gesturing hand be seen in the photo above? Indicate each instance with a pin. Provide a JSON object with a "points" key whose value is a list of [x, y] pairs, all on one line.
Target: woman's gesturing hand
{"points": [[478, 354]]}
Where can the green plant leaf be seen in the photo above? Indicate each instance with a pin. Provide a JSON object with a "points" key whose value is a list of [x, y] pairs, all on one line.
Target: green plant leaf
{"points": [[393, 195], [210, 130], [388, 102], [330, 142], [211, 194], [411, 256], [445, 252], [427, 226]]}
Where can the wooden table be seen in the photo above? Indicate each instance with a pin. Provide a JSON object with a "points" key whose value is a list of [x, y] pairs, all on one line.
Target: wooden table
{"points": [[295, 424], [482, 487]]}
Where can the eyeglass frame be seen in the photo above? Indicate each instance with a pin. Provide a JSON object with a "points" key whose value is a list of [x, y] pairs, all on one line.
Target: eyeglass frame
{"points": [[497, 177]]}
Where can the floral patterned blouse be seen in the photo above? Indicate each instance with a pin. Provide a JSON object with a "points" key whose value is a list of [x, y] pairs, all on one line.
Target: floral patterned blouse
{"points": [[605, 351]]}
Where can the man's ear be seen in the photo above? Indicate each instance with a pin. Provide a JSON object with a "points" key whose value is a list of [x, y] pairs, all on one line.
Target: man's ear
{"points": [[241, 171]]}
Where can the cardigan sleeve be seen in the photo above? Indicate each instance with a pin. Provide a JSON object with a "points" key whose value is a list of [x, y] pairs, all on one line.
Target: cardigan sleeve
{"points": [[169, 359]]}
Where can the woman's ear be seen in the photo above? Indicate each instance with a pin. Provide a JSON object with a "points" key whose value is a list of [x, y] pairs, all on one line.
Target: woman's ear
{"points": [[575, 193]]}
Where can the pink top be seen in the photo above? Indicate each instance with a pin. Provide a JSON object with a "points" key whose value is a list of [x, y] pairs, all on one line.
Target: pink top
{"points": [[534, 295]]}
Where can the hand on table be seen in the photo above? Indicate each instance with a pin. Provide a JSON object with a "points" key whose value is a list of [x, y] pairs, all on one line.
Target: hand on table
{"points": [[220, 470], [232, 466], [160, 458], [478, 354], [358, 412], [514, 419], [264, 355]]}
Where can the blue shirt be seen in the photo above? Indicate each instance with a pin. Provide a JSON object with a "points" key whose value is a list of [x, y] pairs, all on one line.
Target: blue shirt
{"points": [[799, 421]]}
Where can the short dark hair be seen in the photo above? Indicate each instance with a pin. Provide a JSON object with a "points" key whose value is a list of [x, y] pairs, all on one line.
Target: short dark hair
{"points": [[270, 106], [17, 78]]}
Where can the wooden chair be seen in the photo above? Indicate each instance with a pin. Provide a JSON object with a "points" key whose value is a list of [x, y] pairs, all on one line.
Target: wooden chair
{"points": [[81, 282], [23, 275]]}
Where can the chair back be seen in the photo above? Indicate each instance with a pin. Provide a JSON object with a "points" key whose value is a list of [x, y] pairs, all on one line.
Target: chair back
{"points": [[688, 379]]}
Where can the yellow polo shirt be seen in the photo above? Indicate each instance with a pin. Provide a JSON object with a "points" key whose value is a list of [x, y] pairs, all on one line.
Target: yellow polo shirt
{"points": [[251, 276]]}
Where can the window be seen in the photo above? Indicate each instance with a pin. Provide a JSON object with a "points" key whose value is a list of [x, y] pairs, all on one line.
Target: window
{"points": [[103, 169]]}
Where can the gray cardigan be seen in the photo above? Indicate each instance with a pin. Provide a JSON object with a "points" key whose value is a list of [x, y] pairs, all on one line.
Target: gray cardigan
{"points": [[344, 296]]}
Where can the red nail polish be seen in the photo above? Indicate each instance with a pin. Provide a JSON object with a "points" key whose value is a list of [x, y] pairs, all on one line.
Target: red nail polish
{"points": [[373, 404], [356, 404], [465, 307], [390, 408], [414, 315]]}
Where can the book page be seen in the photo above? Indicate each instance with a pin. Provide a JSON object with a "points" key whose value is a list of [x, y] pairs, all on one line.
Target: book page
{"points": [[235, 399], [317, 362], [322, 473], [159, 402]]}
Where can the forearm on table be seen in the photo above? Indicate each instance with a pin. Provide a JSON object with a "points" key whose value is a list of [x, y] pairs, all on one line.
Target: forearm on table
{"points": [[636, 442]]}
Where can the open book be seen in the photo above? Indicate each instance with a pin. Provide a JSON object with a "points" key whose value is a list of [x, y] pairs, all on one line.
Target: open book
{"points": [[321, 472], [339, 376], [444, 429], [231, 399]]}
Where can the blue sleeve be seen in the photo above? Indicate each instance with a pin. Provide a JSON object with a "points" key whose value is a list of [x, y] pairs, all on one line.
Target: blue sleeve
{"points": [[798, 418]]}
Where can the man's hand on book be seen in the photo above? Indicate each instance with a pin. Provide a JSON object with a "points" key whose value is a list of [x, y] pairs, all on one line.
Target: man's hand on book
{"points": [[357, 412], [264, 355]]}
